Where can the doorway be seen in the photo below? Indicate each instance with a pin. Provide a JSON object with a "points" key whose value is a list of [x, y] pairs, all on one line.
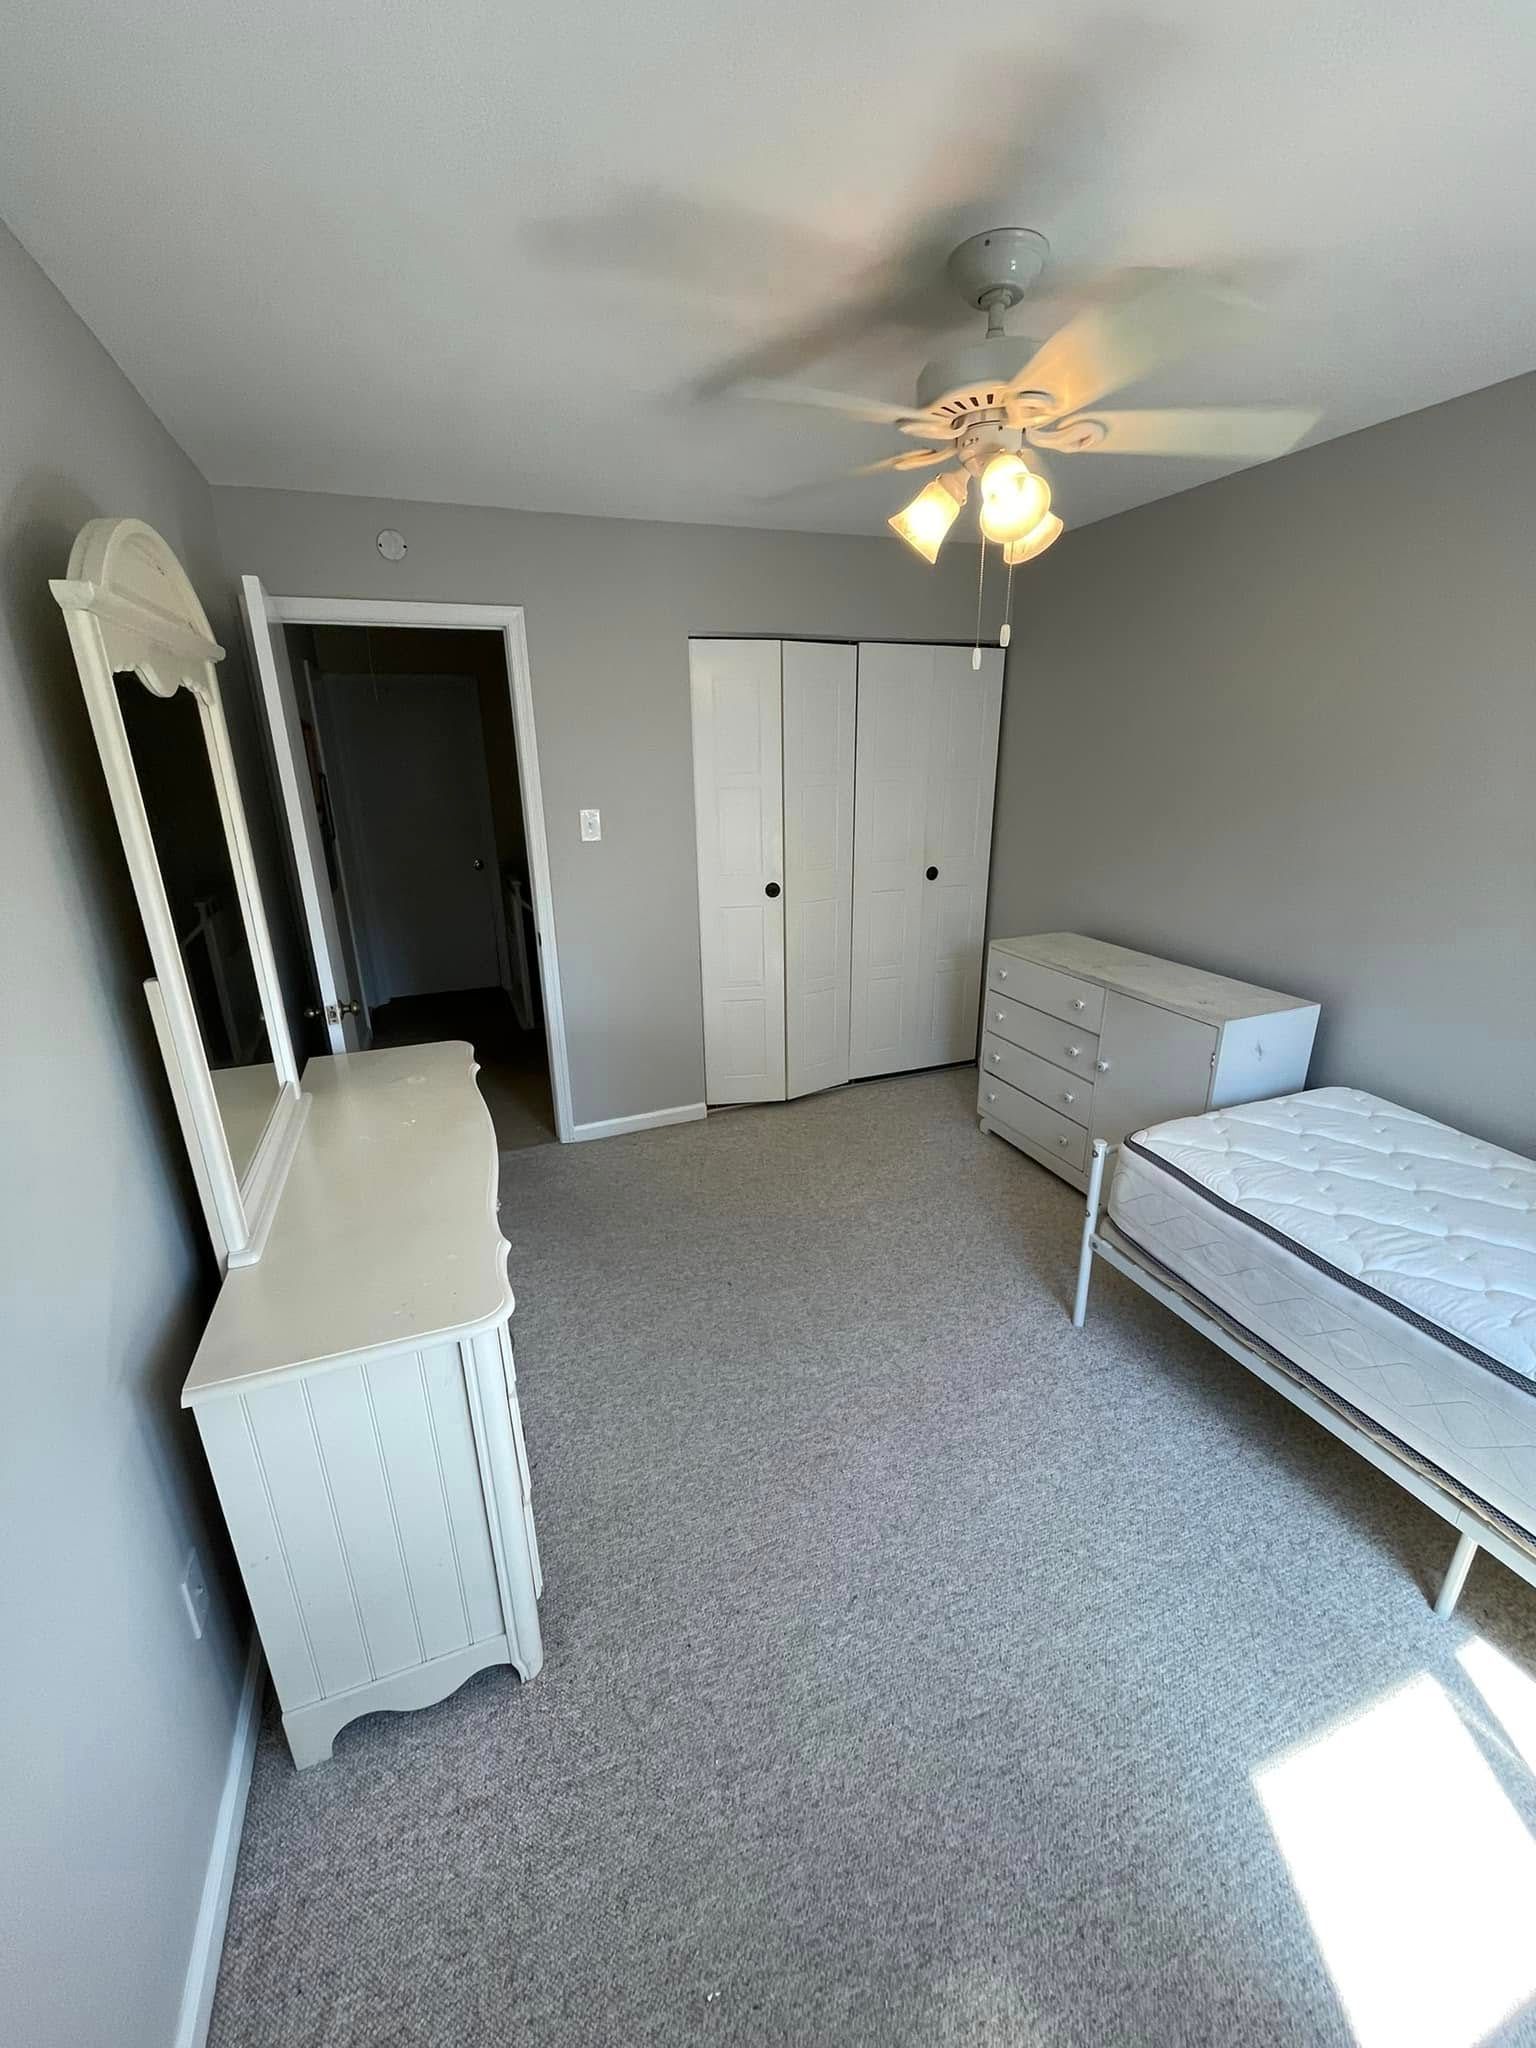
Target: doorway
{"points": [[412, 793]]}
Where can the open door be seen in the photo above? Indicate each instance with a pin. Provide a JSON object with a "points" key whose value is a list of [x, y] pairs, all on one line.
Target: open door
{"points": [[269, 659]]}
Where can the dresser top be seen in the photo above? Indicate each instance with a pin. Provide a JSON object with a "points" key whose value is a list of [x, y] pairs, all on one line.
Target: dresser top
{"points": [[1213, 998], [385, 1236]]}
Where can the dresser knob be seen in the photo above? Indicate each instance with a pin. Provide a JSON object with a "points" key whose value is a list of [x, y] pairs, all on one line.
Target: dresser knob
{"points": [[1063, 1143], [1000, 1017], [996, 1058], [1074, 1052], [1101, 1066], [1078, 1003], [991, 1095], [1067, 1095], [1002, 974]]}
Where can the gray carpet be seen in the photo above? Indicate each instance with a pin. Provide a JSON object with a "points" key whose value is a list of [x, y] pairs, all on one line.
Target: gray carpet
{"points": [[910, 1656]]}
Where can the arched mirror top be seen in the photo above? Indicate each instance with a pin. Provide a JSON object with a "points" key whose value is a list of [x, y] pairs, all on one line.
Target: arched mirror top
{"points": [[149, 616]]}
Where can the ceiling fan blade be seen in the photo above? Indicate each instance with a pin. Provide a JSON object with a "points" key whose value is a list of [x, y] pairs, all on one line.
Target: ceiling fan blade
{"points": [[1108, 346], [875, 410], [1205, 433], [915, 458]]}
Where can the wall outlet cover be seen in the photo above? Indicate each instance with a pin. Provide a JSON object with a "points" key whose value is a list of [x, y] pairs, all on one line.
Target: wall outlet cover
{"points": [[591, 825]]}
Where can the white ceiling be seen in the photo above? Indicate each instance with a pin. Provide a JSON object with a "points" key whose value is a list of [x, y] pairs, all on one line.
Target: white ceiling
{"points": [[481, 252]]}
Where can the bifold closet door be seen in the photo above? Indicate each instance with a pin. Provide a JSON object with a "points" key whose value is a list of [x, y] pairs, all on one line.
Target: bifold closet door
{"points": [[738, 787], [926, 769], [820, 688]]}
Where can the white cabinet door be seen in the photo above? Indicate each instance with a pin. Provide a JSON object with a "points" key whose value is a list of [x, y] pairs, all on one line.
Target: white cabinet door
{"points": [[820, 684], [739, 817], [964, 709], [926, 771], [891, 780]]}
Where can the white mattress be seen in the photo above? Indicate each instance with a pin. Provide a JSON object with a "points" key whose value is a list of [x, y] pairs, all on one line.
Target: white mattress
{"points": [[1392, 1258]]}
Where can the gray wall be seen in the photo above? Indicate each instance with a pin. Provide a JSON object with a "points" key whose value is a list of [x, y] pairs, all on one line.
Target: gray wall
{"points": [[610, 605], [1285, 726], [115, 1726]]}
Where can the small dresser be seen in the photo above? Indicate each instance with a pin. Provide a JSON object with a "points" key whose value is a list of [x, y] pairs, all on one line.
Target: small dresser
{"points": [[1083, 1040]]}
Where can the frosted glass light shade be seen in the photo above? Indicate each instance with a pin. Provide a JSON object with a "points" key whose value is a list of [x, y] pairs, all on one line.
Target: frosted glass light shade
{"points": [[924, 523], [1013, 499], [1033, 543]]}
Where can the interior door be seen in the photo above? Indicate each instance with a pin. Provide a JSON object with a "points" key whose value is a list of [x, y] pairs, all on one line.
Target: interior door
{"points": [[890, 814], [738, 755], [926, 774], [290, 760], [965, 706], [820, 690], [408, 753]]}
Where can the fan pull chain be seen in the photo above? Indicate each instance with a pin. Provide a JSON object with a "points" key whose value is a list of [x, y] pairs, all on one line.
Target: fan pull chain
{"points": [[981, 577], [1007, 631]]}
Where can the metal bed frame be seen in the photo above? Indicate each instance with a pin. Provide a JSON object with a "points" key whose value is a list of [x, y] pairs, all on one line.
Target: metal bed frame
{"points": [[1474, 1531]]}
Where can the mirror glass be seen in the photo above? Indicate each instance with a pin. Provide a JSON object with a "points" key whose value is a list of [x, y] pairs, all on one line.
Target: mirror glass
{"points": [[170, 758]]}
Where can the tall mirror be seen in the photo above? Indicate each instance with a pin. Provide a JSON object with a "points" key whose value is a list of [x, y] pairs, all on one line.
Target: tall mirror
{"points": [[170, 762], [147, 661]]}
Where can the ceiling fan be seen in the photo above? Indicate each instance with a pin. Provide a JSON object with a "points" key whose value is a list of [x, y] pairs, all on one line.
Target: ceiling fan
{"points": [[987, 407]]}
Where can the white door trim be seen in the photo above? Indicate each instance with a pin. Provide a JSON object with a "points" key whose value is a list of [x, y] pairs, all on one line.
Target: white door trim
{"points": [[507, 619]]}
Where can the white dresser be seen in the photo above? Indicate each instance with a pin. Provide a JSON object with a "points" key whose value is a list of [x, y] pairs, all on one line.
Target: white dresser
{"points": [[356, 1397], [1083, 1040]]}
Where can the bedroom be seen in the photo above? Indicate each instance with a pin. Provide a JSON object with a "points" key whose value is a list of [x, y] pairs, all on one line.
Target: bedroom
{"points": [[914, 1664]]}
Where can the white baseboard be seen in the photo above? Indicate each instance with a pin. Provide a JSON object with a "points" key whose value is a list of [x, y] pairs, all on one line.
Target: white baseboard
{"points": [[208, 1936], [652, 1119]]}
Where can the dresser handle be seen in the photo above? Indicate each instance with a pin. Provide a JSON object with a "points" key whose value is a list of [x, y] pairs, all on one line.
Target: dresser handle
{"points": [[1000, 1017], [1067, 1095], [1078, 1003], [1074, 1052], [1002, 974], [991, 1095], [1101, 1066], [996, 1058], [1063, 1142]]}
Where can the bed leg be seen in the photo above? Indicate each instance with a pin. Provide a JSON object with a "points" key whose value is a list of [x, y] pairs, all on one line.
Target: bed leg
{"points": [[1090, 1225], [1456, 1573]]}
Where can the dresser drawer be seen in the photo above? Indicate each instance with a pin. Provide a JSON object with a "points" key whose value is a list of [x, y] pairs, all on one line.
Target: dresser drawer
{"points": [[1044, 988], [997, 1103], [1066, 1093], [1063, 1045]]}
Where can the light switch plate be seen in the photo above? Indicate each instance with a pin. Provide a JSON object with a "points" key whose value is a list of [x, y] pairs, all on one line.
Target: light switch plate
{"points": [[591, 825]]}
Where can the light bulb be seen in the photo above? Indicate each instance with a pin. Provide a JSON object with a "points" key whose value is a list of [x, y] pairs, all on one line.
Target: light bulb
{"points": [[924, 523], [1013, 499], [1033, 543]]}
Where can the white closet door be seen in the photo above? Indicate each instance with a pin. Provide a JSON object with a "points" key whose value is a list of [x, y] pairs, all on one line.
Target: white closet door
{"points": [[926, 773], [890, 812], [964, 709], [820, 688], [739, 814]]}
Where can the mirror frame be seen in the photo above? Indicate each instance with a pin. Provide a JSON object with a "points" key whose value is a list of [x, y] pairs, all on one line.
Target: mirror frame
{"points": [[129, 607]]}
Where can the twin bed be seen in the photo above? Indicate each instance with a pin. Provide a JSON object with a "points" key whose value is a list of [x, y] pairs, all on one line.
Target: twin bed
{"points": [[1376, 1268]]}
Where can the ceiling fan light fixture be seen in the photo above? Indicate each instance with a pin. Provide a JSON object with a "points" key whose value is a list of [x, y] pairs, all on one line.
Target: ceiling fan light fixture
{"points": [[1016, 553], [924, 523], [1014, 499]]}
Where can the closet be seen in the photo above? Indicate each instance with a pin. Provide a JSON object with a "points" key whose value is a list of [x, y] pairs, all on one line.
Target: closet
{"points": [[843, 802]]}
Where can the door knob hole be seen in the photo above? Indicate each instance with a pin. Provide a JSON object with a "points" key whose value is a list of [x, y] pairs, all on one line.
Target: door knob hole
{"points": [[772, 889], [932, 874]]}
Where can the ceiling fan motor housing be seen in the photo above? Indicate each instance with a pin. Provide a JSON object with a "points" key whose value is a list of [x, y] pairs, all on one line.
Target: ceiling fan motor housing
{"points": [[977, 380]]}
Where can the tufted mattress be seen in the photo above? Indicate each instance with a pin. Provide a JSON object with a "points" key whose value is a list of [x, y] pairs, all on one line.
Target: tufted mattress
{"points": [[1391, 1258]]}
